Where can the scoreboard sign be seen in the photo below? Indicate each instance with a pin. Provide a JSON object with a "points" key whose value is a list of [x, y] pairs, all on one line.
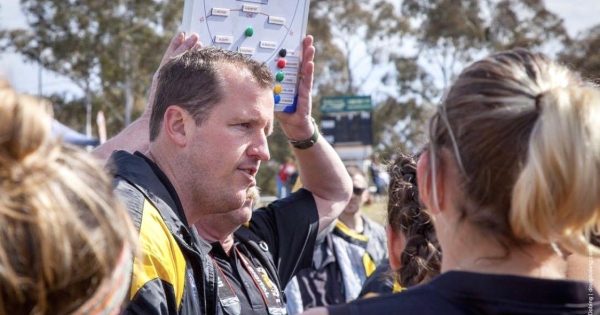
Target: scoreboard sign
{"points": [[347, 120]]}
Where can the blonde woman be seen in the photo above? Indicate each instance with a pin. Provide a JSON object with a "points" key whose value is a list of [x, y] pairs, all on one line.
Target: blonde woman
{"points": [[65, 243], [511, 179]]}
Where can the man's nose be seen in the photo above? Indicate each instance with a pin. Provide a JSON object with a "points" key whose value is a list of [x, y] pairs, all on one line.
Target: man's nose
{"points": [[260, 149]]}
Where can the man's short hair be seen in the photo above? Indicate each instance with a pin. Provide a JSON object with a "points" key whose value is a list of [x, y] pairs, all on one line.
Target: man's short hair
{"points": [[192, 81]]}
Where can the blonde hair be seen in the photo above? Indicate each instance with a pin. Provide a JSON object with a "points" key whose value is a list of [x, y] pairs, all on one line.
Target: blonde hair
{"points": [[556, 197], [525, 134], [61, 229]]}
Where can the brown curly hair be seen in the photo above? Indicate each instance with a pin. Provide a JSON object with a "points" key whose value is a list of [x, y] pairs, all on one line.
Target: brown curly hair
{"points": [[421, 257]]}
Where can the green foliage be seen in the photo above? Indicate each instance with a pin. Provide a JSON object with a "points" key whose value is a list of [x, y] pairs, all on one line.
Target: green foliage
{"points": [[351, 36], [69, 112], [278, 145], [265, 179], [524, 23], [100, 46], [424, 43], [414, 48], [447, 35], [399, 127], [583, 54], [457, 22]]}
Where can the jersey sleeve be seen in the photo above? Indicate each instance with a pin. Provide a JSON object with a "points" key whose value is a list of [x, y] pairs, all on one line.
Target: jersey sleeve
{"points": [[289, 227]]}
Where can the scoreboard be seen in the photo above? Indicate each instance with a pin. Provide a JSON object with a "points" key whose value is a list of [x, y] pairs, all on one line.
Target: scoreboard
{"points": [[347, 120]]}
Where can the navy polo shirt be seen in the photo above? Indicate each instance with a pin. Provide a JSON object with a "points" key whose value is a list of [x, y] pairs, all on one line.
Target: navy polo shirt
{"points": [[457, 292]]}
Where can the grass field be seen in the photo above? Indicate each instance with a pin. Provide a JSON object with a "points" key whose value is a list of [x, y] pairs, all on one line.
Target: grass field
{"points": [[376, 210]]}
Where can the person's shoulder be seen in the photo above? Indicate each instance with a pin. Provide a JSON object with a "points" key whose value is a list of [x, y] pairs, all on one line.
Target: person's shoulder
{"points": [[373, 224], [379, 282], [130, 196], [375, 228], [133, 168], [119, 161]]}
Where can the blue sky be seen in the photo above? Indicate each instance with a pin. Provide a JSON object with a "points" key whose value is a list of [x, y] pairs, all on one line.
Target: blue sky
{"points": [[578, 15]]}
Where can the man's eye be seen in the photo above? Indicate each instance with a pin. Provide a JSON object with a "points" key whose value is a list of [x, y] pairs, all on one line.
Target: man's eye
{"points": [[245, 125]]}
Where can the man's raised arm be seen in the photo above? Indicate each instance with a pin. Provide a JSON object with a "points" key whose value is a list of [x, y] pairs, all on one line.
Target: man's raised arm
{"points": [[321, 169]]}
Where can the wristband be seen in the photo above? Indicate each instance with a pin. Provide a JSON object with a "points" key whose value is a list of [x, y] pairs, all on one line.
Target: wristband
{"points": [[307, 143]]}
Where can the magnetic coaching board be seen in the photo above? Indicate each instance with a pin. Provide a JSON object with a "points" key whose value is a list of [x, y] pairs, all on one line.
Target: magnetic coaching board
{"points": [[270, 31]]}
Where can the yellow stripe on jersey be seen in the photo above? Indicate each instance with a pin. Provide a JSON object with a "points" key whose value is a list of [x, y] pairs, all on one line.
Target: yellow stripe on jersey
{"points": [[161, 256], [397, 287], [369, 264], [350, 232]]}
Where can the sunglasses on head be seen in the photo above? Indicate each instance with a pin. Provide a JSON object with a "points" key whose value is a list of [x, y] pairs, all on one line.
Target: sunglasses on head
{"points": [[358, 190]]}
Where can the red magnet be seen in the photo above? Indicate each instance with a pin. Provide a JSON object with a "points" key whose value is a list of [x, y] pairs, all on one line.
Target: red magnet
{"points": [[281, 63]]}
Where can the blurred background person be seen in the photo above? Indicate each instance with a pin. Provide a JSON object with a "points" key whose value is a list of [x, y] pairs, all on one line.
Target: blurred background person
{"points": [[343, 259], [414, 253], [379, 175], [286, 177], [65, 242]]}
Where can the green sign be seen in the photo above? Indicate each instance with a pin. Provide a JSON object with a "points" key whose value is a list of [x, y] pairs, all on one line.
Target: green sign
{"points": [[332, 104]]}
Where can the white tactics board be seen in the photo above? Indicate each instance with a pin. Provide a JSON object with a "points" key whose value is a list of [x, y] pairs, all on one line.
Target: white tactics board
{"points": [[270, 31]]}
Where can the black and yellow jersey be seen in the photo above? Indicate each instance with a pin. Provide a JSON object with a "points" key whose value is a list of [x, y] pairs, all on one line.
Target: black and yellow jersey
{"points": [[174, 273], [342, 261], [169, 275]]}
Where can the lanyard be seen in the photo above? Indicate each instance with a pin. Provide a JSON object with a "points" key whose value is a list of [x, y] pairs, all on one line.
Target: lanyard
{"points": [[268, 290], [229, 301]]}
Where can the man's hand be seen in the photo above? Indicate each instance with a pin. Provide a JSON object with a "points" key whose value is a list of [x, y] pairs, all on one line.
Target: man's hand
{"points": [[179, 44], [298, 125], [321, 169]]}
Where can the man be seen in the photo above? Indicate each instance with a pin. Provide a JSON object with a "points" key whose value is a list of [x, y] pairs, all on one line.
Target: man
{"points": [[208, 126], [344, 259]]}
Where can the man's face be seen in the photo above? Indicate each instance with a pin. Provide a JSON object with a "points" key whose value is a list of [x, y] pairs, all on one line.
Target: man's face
{"points": [[226, 148], [359, 196]]}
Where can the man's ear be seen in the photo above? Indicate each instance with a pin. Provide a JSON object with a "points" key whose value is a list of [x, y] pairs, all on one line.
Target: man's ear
{"points": [[396, 244], [174, 123]]}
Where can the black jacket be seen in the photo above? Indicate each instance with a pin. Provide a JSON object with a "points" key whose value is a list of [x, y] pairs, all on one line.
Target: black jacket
{"points": [[170, 276], [174, 274]]}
